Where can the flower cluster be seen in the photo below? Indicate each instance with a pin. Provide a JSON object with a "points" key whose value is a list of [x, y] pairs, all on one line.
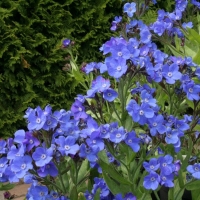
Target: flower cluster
{"points": [[131, 111], [167, 169]]}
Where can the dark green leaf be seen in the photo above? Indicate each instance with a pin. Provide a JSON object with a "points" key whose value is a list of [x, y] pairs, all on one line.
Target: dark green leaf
{"points": [[194, 185], [113, 173]]}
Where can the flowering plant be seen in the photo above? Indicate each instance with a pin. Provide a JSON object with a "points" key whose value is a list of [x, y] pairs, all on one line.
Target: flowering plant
{"points": [[135, 131]]}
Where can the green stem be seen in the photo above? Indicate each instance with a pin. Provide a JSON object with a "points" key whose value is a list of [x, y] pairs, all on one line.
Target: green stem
{"points": [[171, 194], [61, 179], [156, 195], [144, 196], [114, 109]]}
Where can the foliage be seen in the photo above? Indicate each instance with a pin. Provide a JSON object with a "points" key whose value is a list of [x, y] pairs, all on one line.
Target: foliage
{"points": [[30, 56]]}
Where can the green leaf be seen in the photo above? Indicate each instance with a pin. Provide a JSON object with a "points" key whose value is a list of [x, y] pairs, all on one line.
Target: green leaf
{"points": [[195, 194], [181, 178], [83, 170], [196, 59], [107, 168], [113, 186], [193, 35], [5, 187], [193, 185], [97, 195], [103, 156], [73, 194], [73, 172]]}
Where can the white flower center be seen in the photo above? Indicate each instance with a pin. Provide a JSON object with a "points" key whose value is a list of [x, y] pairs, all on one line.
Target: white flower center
{"points": [[43, 156], [80, 109], [129, 141], [49, 122], [152, 179], [41, 193], [169, 74], [141, 112], [31, 141], [151, 167], [119, 53], [196, 169], [190, 90], [154, 124], [23, 166], [164, 164], [119, 68], [1, 165], [38, 120], [118, 135], [67, 147]]}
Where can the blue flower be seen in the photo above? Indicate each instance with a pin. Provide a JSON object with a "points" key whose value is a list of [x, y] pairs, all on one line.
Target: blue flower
{"points": [[78, 110], [172, 136], [167, 180], [19, 136], [194, 170], [181, 5], [138, 113], [42, 156], [115, 22], [38, 192], [67, 145], [21, 165], [105, 131], [130, 9], [16, 152], [156, 125], [187, 25], [95, 140], [30, 141], [147, 98], [192, 90], [116, 67], [166, 165], [36, 119], [3, 148], [89, 153], [151, 181], [171, 73], [152, 165], [91, 127], [90, 67], [48, 169], [98, 85], [3, 163], [118, 135], [66, 42], [110, 95], [133, 141]]}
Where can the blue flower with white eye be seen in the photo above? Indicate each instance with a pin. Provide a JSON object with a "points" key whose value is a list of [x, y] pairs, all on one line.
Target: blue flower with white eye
{"points": [[110, 94], [133, 141], [152, 165], [67, 145], [151, 181], [21, 165], [42, 156], [194, 170], [130, 9], [171, 73], [116, 67]]}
